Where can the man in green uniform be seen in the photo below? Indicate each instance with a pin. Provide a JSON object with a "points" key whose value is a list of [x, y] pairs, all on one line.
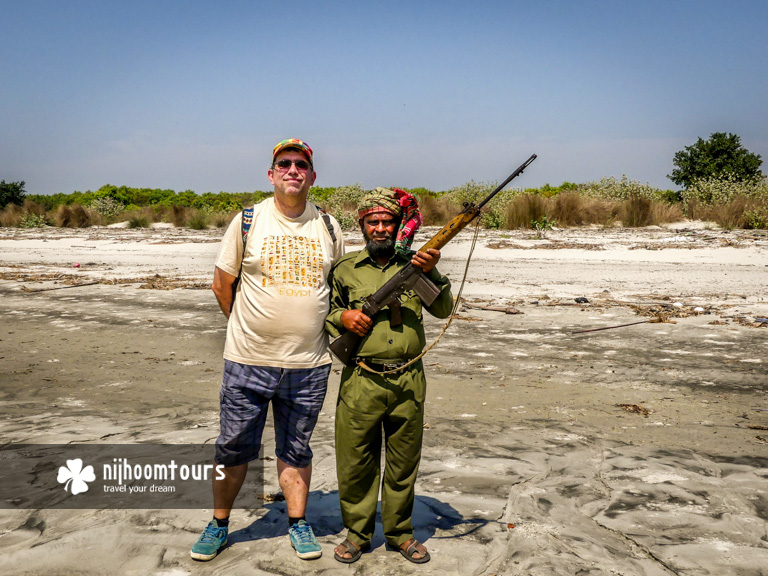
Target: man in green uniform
{"points": [[373, 406]]}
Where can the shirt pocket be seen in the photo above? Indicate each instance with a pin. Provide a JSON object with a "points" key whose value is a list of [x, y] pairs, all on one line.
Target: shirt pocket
{"points": [[357, 297]]}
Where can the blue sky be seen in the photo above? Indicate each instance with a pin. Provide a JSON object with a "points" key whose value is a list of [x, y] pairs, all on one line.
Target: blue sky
{"points": [[193, 95]]}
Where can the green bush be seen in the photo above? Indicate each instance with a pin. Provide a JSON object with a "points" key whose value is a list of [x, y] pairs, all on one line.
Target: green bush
{"points": [[422, 193], [198, 220], [614, 189], [548, 191], [719, 191], [321, 195], [543, 223], [106, 206], [494, 213], [756, 219], [29, 220], [342, 205], [138, 221]]}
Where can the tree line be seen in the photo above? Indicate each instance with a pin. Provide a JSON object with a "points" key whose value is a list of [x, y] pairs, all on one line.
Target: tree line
{"points": [[714, 173]]}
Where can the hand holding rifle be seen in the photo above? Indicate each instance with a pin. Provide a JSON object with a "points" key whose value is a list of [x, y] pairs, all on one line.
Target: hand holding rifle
{"points": [[357, 322]]}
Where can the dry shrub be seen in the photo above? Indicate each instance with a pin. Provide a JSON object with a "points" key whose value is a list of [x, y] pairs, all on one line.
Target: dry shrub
{"points": [[138, 221], [180, 215], [11, 216], [31, 207], [664, 213], [72, 216], [574, 209], [156, 213], [695, 209], [737, 212], [636, 211], [596, 211], [524, 210], [731, 215], [435, 211], [222, 219], [568, 208], [198, 220], [138, 217]]}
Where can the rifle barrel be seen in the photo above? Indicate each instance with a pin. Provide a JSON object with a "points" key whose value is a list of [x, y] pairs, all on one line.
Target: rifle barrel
{"points": [[511, 177]]}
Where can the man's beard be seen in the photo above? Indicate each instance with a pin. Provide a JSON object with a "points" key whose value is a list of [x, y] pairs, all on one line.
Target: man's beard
{"points": [[377, 248]]}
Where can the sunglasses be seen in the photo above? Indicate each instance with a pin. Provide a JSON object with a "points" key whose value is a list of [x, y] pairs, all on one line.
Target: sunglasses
{"points": [[285, 164]]}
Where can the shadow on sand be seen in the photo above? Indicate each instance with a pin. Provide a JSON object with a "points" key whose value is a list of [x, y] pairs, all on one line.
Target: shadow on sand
{"points": [[430, 515]]}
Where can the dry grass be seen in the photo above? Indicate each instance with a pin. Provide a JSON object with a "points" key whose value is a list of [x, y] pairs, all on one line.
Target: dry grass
{"points": [[198, 220], [180, 215], [222, 219], [436, 211], [34, 208], [733, 214], [665, 213], [141, 218], [31, 214], [74, 216], [572, 209], [636, 212], [524, 210], [138, 221], [568, 209], [11, 215]]}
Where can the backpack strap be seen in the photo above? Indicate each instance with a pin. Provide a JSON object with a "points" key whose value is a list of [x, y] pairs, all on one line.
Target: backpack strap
{"points": [[245, 225], [327, 220]]}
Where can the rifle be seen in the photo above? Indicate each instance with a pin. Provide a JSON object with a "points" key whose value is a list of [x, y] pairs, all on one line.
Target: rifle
{"points": [[410, 277]]}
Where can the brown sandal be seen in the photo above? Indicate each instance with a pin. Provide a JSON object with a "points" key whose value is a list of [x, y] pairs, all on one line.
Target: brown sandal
{"points": [[413, 548], [352, 549]]}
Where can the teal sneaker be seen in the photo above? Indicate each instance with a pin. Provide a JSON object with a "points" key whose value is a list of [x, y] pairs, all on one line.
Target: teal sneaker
{"points": [[303, 541], [210, 542]]}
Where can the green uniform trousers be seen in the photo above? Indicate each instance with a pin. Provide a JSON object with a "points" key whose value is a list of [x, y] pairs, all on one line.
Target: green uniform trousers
{"points": [[369, 405]]}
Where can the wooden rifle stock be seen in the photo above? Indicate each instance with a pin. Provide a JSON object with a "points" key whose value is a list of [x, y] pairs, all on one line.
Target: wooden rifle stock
{"points": [[410, 277]]}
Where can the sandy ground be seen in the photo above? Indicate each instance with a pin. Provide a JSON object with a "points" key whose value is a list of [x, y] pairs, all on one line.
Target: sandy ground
{"points": [[640, 450]]}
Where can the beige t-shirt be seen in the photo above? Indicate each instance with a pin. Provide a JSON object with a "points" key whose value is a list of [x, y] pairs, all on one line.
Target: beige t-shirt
{"points": [[282, 301]]}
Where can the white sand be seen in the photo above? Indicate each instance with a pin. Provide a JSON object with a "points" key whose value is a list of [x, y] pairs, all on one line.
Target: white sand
{"points": [[530, 465]]}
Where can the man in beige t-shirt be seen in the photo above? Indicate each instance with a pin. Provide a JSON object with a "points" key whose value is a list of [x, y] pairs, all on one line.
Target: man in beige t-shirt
{"points": [[276, 350]]}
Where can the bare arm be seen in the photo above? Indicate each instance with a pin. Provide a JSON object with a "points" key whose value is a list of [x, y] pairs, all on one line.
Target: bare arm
{"points": [[222, 288]]}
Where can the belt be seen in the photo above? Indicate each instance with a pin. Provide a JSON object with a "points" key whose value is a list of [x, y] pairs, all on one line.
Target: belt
{"points": [[383, 365]]}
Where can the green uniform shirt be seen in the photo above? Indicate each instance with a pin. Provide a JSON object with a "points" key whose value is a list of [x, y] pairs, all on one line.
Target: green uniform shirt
{"points": [[357, 275]]}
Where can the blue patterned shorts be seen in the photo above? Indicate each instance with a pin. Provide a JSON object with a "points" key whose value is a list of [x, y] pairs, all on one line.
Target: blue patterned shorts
{"points": [[296, 395]]}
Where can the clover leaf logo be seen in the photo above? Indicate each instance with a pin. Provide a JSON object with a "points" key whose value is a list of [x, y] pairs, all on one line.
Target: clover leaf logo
{"points": [[77, 475]]}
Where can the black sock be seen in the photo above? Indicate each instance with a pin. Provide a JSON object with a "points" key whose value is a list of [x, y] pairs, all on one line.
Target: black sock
{"points": [[292, 520], [222, 523]]}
